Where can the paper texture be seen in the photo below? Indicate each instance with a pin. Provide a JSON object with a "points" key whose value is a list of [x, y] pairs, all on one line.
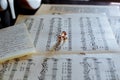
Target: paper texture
{"points": [[63, 9], [58, 9], [109, 10], [89, 33], [115, 24], [15, 42], [62, 67], [85, 32]]}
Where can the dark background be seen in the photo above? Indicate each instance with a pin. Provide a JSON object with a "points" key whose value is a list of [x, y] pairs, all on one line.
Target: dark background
{"points": [[6, 18]]}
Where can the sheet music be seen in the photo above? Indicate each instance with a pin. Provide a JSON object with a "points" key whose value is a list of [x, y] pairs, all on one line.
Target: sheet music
{"points": [[62, 67], [109, 10], [85, 32], [19, 69], [15, 41], [115, 24]]}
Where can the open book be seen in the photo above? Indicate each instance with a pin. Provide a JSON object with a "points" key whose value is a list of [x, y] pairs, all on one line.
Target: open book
{"points": [[15, 42], [86, 32], [112, 12], [62, 67]]}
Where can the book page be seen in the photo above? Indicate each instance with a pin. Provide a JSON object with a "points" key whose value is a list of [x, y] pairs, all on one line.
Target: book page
{"points": [[110, 10], [62, 67], [54, 9], [15, 41], [21, 68], [85, 32]]}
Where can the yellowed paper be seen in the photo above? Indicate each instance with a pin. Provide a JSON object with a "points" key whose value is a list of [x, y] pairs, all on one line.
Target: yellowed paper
{"points": [[15, 41], [58, 67]]}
